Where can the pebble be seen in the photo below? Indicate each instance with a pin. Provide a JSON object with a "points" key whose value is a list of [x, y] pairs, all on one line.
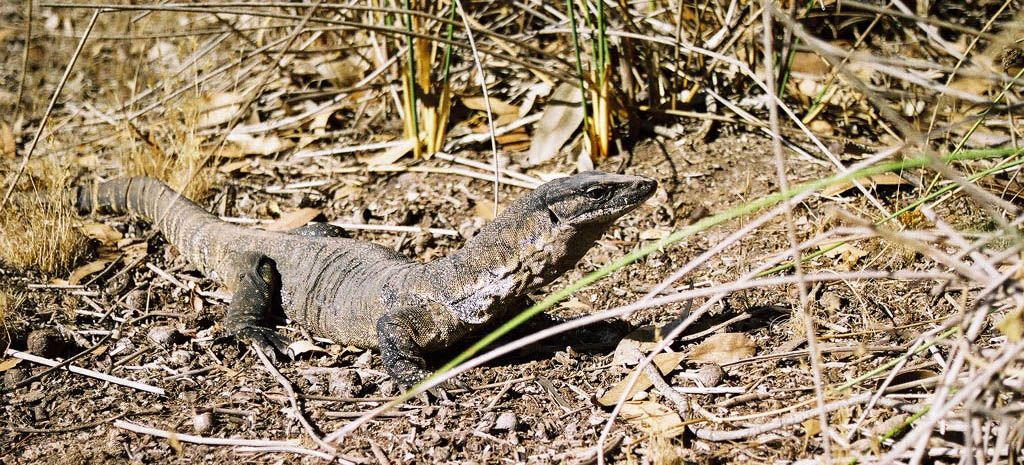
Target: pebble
{"points": [[345, 383], [164, 336], [507, 421], [14, 376], [47, 342], [202, 422], [710, 375]]}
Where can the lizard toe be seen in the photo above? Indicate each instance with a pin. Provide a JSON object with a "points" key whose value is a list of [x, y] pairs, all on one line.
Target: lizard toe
{"points": [[265, 340]]}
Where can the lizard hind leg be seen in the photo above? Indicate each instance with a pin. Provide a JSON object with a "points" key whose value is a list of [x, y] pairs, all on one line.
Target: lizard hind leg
{"points": [[255, 297]]}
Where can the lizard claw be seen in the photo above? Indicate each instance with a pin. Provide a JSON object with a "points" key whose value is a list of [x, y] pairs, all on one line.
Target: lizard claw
{"points": [[265, 340]]}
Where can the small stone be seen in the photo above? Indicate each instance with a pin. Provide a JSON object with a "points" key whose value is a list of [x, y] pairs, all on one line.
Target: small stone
{"points": [[202, 422], [47, 342], [14, 376], [180, 358], [39, 413], [507, 421], [164, 336], [640, 395], [123, 345], [345, 383], [710, 375]]}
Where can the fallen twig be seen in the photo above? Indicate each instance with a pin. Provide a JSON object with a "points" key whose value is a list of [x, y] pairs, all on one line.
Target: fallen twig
{"points": [[86, 372]]}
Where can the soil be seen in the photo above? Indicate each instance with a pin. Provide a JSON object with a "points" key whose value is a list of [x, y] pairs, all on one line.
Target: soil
{"points": [[536, 406]]}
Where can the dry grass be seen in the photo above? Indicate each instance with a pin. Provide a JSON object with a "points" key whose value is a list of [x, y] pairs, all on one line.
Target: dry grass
{"points": [[38, 231], [857, 97], [9, 303], [175, 155]]}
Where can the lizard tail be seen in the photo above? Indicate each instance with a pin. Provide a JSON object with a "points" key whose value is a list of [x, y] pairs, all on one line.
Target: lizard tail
{"points": [[184, 224]]}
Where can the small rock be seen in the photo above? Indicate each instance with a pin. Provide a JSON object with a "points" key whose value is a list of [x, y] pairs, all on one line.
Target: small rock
{"points": [[14, 376], [202, 422], [123, 345], [47, 342], [506, 422], [710, 375], [164, 336], [345, 383], [831, 301], [39, 413], [180, 358]]}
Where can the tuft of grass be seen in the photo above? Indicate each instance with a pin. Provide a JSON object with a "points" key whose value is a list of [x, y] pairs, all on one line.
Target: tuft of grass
{"points": [[426, 97], [9, 302], [176, 157], [40, 231]]}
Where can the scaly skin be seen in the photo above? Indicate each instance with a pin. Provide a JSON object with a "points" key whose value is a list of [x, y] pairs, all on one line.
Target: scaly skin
{"points": [[363, 294]]}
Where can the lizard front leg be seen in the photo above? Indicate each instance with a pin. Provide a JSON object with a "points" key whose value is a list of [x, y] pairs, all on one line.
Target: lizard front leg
{"points": [[397, 339], [258, 286]]}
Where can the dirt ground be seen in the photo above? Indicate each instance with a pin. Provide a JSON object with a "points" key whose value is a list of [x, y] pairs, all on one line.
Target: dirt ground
{"points": [[154, 320], [545, 396]]}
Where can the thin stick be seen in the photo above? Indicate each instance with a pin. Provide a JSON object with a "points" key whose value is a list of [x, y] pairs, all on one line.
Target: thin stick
{"points": [[87, 372], [293, 399], [24, 61], [487, 100], [780, 169], [258, 445], [49, 108]]}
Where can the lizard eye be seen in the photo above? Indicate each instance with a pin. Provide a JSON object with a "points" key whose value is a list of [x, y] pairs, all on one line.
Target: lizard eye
{"points": [[598, 192]]}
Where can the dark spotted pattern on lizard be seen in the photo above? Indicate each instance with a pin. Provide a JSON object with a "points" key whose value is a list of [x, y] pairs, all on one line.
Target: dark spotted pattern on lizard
{"points": [[363, 294]]}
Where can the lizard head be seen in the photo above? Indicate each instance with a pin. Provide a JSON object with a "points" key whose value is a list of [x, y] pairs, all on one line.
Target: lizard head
{"points": [[535, 240], [592, 198]]}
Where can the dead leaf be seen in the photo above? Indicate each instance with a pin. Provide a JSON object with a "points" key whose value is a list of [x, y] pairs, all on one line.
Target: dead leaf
{"points": [[294, 219], [101, 232], [562, 116], [7, 147], [848, 254], [9, 363], [302, 346], [234, 166], [577, 305], [498, 107], [1012, 325], [133, 251], [267, 145], [484, 209], [390, 155], [812, 427], [821, 127], [723, 348], [809, 63], [654, 418], [90, 161], [634, 346], [86, 270], [343, 73], [654, 234], [666, 362], [219, 108], [631, 348]]}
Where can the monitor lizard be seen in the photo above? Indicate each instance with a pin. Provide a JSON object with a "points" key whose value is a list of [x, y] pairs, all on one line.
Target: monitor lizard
{"points": [[367, 295]]}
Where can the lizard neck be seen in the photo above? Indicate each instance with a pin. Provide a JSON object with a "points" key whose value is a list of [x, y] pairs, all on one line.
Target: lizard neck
{"points": [[518, 252]]}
